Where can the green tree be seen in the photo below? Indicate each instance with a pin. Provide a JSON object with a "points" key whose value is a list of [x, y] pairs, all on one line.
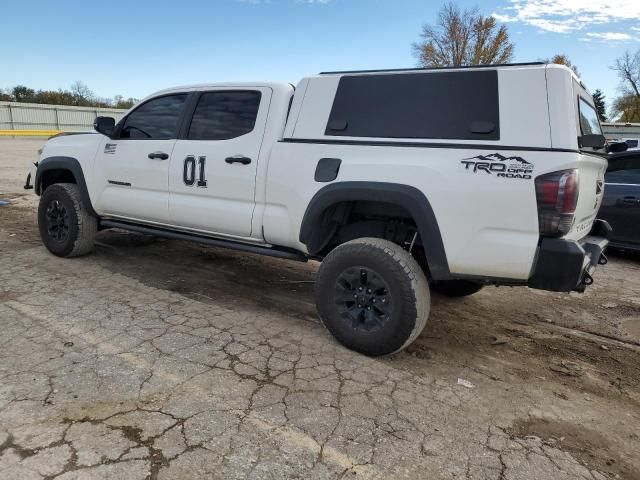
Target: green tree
{"points": [[78, 95], [120, 102], [20, 93], [601, 106], [463, 37]]}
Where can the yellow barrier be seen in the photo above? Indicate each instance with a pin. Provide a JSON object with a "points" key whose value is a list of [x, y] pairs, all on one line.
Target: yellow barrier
{"points": [[28, 133]]}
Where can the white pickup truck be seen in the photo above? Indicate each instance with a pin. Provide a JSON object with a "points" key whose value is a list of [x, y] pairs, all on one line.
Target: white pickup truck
{"points": [[400, 182]]}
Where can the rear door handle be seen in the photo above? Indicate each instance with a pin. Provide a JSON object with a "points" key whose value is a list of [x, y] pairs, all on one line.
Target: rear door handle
{"points": [[158, 156], [631, 201], [238, 159]]}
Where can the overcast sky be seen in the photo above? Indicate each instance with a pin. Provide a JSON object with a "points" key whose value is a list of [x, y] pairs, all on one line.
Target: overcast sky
{"points": [[135, 47]]}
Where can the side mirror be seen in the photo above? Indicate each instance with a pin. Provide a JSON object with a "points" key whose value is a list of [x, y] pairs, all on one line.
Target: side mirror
{"points": [[592, 141], [104, 125], [617, 147]]}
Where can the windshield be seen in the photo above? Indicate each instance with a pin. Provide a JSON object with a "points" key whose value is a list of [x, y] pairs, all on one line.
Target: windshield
{"points": [[589, 123]]}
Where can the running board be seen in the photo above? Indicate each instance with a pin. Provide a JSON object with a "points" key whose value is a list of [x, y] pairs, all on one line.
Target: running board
{"points": [[215, 242]]}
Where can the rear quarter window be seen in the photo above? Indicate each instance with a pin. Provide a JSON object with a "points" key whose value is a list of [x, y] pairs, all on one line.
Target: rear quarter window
{"points": [[435, 105], [589, 123]]}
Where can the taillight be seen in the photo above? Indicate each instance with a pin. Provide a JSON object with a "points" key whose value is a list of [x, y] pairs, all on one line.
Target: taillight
{"points": [[557, 195]]}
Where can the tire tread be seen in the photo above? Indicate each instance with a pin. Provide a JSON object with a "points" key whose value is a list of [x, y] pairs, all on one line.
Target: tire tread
{"points": [[87, 224], [406, 265]]}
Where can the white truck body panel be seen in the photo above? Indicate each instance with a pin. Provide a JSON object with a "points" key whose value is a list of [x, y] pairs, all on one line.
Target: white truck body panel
{"points": [[226, 205], [484, 242], [489, 225]]}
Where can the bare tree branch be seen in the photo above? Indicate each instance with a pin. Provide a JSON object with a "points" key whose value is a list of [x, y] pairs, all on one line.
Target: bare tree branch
{"points": [[627, 106], [628, 68]]}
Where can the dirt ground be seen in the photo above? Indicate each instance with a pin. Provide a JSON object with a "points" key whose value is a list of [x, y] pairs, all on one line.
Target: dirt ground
{"points": [[160, 359]]}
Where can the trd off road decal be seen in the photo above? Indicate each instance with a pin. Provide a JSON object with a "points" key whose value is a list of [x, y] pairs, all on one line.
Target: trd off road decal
{"points": [[500, 166]]}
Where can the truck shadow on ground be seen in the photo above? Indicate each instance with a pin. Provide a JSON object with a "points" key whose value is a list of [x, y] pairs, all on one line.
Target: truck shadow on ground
{"points": [[516, 332], [228, 278], [498, 326]]}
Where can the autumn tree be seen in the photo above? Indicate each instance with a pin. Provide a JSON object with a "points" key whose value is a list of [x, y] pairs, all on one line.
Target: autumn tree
{"points": [[601, 107], [627, 109], [627, 105], [4, 96], [463, 37], [562, 59]]}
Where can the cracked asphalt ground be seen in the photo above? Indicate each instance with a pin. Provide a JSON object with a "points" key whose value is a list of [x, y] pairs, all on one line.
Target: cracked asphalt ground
{"points": [[155, 359]]}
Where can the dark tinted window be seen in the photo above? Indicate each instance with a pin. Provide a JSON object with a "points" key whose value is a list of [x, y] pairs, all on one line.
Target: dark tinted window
{"points": [[632, 143], [224, 115], [438, 105], [155, 120], [631, 176]]}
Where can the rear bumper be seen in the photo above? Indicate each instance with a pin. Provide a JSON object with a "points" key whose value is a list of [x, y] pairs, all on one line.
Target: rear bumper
{"points": [[568, 265]]}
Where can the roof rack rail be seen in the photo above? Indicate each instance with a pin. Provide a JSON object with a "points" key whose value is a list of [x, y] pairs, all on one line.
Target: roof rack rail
{"points": [[434, 68]]}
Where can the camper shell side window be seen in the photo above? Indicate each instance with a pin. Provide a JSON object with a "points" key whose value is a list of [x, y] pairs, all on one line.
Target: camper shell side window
{"points": [[462, 105]]}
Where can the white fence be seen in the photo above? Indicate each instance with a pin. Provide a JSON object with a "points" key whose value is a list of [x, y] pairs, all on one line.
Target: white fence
{"points": [[617, 131], [36, 116]]}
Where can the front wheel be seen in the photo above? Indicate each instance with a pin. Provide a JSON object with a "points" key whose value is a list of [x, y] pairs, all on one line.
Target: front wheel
{"points": [[372, 296], [66, 227]]}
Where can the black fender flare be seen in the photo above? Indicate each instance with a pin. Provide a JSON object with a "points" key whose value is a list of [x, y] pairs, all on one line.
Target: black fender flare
{"points": [[406, 196], [64, 163]]}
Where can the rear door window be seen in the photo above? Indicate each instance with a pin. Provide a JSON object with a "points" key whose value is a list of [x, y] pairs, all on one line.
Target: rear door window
{"points": [[224, 115], [435, 105], [625, 177], [157, 119]]}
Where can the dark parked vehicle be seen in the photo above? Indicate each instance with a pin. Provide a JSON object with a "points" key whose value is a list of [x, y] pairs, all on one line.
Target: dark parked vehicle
{"points": [[621, 203]]}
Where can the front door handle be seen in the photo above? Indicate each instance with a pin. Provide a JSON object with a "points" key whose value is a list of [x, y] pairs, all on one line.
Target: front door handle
{"points": [[158, 156], [238, 159]]}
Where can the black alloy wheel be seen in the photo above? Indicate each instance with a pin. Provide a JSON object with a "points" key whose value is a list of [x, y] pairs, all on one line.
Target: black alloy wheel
{"points": [[57, 221], [363, 298]]}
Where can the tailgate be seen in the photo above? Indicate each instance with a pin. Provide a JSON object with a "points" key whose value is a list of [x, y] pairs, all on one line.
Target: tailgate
{"points": [[591, 172]]}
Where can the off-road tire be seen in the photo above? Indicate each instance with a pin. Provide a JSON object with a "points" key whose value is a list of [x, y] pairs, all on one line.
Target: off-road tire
{"points": [[65, 201], [408, 298], [456, 288]]}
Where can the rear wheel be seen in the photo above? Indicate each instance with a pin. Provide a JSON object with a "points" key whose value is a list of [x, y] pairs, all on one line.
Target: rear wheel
{"points": [[456, 288], [66, 227], [372, 296]]}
